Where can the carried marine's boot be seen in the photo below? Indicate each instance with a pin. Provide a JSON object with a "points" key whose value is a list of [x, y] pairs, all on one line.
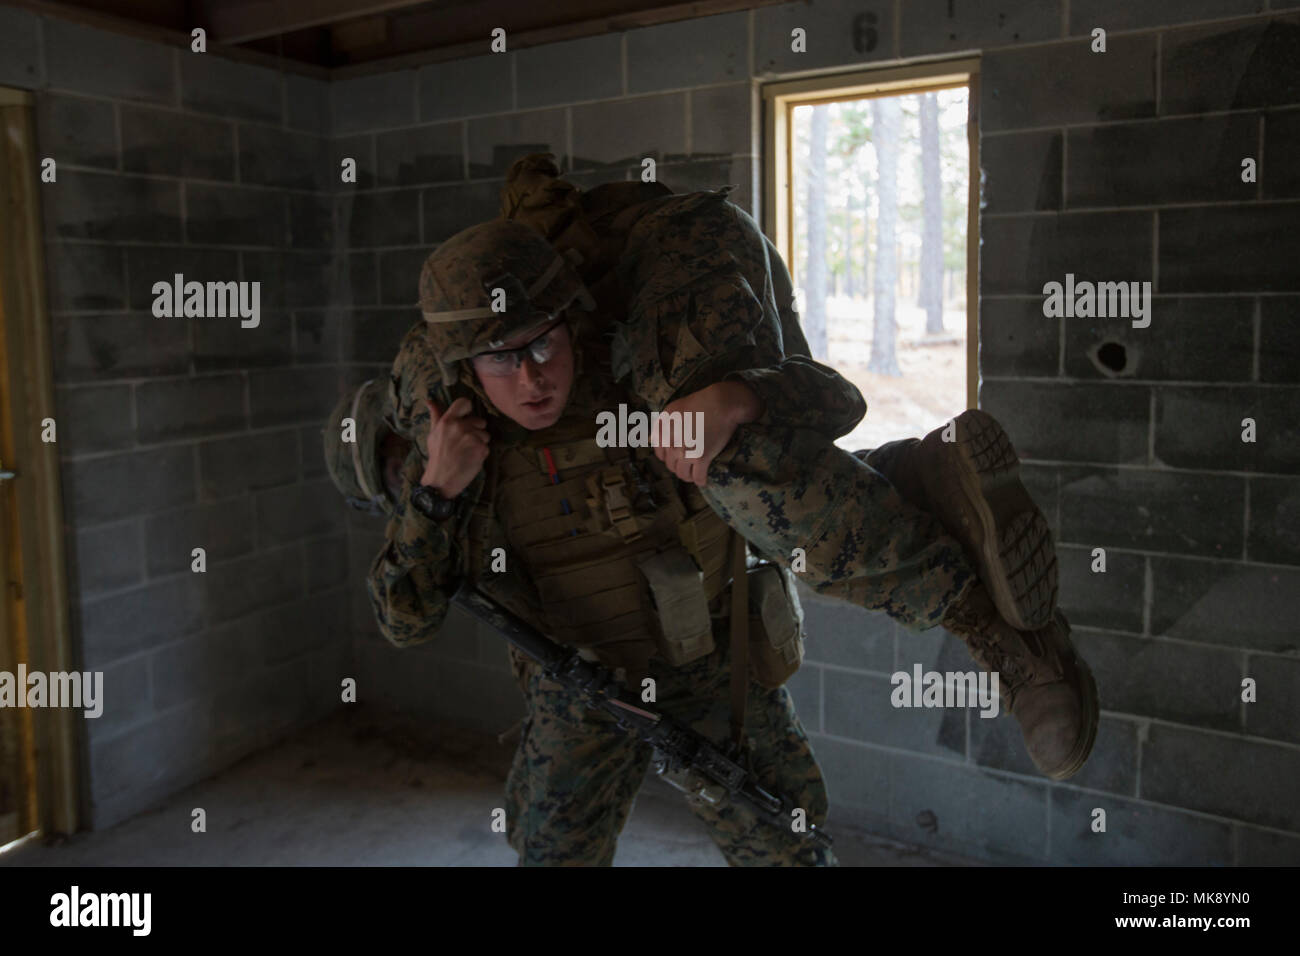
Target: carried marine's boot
{"points": [[1042, 679], [972, 485]]}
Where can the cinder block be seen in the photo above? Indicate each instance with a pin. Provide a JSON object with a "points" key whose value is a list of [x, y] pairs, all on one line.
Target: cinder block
{"points": [[1279, 339], [1072, 421], [307, 103], [326, 561], [147, 265], [1022, 253], [189, 408], [124, 624], [1183, 683], [166, 143], [699, 52], [125, 700], [982, 810], [85, 60], [855, 775], [360, 280], [1190, 339], [316, 336], [141, 763], [361, 150], [1229, 249], [1152, 510], [301, 627], [1230, 67], [276, 157], [291, 395], [311, 221], [399, 277], [449, 209], [468, 87], [287, 514], [118, 486], [936, 26], [1022, 172], [1257, 847], [223, 530], [710, 174], [1236, 605], [213, 84], [389, 218], [805, 689], [494, 142], [1280, 179], [1156, 162], [1201, 427], [1016, 339], [837, 33], [260, 710], [235, 216], [1274, 520], [105, 206], [239, 587], [84, 276], [1065, 83], [1112, 765], [1110, 599], [857, 706], [294, 279], [1085, 15], [234, 466], [93, 347], [76, 131], [202, 666], [1276, 711], [624, 132], [1228, 776], [721, 121], [94, 418], [839, 633], [1137, 834], [380, 101], [226, 344], [20, 49], [313, 458], [105, 558], [375, 334], [590, 68], [423, 154]]}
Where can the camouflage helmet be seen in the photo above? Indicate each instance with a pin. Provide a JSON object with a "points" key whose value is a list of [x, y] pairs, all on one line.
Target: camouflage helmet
{"points": [[488, 284], [355, 466]]}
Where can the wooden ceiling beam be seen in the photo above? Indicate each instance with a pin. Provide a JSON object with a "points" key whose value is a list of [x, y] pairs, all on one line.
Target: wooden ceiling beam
{"points": [[239, 21]]}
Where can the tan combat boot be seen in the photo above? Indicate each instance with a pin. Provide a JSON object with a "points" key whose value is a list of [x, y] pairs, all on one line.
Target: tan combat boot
{"points": [[972, 485], [1043, 681]]}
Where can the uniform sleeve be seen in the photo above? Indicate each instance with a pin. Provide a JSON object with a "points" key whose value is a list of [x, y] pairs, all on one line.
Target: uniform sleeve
{"points": [[703, 307], [413, 578]]}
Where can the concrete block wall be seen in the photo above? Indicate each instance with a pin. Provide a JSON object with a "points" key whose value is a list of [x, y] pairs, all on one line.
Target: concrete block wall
{"points": [[1116, 166], [177, 433]]}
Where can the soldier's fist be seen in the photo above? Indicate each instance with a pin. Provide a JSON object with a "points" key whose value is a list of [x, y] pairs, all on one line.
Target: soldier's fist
{"points": [[457, 445]]}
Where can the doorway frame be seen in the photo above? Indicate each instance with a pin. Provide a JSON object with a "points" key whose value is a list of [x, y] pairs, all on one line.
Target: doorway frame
{"points": [[779, 98], [53, 766]]}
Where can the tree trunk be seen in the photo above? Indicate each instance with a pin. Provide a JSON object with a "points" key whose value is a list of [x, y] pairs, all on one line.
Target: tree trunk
{"points": [[931, 292], [814, 316], [886, 127]]}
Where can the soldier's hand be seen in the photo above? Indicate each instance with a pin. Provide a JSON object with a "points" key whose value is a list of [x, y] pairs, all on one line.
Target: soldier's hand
{"points": [[723, 407], [457, 445]]}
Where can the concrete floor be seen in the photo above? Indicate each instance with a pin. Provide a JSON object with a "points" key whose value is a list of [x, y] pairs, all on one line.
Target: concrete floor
{"points": [[367, 788]]}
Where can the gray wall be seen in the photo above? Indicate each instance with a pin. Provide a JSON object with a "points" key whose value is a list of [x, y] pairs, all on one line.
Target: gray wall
{"points": [[1121, 165]]}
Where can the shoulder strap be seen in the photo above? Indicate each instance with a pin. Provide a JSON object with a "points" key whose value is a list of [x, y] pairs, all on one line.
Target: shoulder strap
{"points": [[739, 639]]}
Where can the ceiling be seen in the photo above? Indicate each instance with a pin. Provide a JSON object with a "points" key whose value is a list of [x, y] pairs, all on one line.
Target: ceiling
{"points": [[356, 36]]}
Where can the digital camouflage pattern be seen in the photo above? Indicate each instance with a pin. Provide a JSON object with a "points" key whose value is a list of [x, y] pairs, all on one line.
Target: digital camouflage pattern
{"points": [[575, 776]]}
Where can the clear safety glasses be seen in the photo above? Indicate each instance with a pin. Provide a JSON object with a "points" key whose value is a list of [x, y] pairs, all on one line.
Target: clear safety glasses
{"points": [[542, 348]]}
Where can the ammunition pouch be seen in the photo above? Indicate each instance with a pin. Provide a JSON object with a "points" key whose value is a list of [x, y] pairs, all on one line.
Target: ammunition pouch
{"points": [[775, 626]]}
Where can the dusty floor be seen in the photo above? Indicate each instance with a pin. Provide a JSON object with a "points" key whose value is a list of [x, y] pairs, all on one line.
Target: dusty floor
{"points": [[373, 789]]}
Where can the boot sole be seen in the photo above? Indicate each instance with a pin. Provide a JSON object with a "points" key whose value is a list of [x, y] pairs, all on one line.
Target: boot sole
{"points": [[1091, 710], [979, 498]]}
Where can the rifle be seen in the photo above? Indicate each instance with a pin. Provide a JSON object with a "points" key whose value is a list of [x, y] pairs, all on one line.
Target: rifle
{"points": [[679, 750]]}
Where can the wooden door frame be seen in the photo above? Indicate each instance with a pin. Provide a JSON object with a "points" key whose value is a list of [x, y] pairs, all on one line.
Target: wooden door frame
{"points": [[42, 598], [780, 97]]}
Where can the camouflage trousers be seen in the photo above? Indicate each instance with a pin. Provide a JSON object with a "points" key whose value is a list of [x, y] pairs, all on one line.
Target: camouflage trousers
{"points": [[862, 541], [576, 775]]}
